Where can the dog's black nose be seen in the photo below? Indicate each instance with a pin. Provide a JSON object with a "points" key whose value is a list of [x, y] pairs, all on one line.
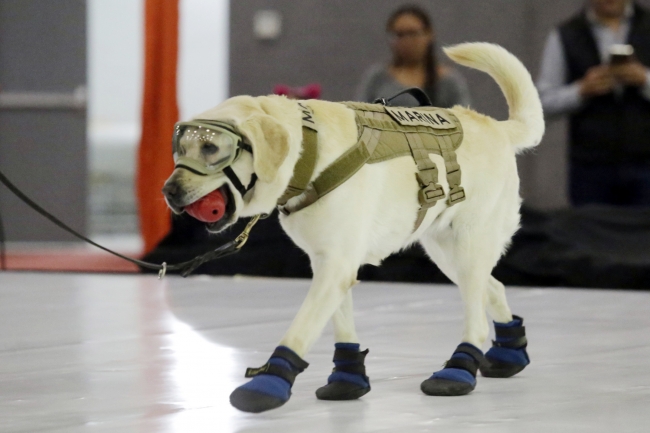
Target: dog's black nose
{"points": [[171, 190]]}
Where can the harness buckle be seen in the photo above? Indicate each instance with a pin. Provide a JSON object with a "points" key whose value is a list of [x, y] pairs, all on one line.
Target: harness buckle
{"points": [[283, 210], [456, 195], [430, 194]]}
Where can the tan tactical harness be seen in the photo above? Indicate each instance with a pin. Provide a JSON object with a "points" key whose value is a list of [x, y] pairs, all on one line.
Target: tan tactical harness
{"points": [[384, 133]]}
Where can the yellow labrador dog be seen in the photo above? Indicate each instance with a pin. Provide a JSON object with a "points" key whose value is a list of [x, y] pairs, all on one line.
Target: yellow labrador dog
{"points": [[247, 149]]}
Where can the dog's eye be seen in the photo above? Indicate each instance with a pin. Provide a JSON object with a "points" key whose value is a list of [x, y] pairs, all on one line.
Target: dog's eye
{"points": [[209, 149]]}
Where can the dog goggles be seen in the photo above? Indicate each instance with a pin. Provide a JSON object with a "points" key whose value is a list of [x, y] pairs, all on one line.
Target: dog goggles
{"points": [[218, 142], [220, 145]]}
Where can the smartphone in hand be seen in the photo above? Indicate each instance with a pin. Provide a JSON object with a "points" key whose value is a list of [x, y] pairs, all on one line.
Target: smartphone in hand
{"points": [[620, 54]]}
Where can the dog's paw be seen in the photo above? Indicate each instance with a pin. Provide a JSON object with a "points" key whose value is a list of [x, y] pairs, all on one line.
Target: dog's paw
{"points": [[459, 375], [348, 380], [508, 355], [248, 400], [495, 368], [341, 391], [446, 388], [271, 384]]}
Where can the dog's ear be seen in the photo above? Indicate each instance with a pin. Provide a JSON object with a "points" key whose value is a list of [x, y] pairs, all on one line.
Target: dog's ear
{"points": [[270, 142]]}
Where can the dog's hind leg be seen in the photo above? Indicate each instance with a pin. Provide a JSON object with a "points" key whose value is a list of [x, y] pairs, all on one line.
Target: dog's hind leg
{"points": [[508, 355], [497, 306], [334, 275], [466, 254], [348, 380], [343, 320]]}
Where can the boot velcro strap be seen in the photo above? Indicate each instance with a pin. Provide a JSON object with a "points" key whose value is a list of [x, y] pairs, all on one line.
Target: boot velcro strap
{"points": [[463, 364], [273, 370], [471, 351], [513, 332], [349, 355], [351, 368], [518, 343], [289, 356]]}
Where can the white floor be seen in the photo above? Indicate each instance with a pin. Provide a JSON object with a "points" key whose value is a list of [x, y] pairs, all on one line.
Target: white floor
{"points": [[132, 354]]}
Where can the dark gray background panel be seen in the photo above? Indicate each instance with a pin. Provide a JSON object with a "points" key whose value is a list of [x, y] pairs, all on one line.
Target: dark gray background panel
{"points": [[43, 49], [42, 44]]}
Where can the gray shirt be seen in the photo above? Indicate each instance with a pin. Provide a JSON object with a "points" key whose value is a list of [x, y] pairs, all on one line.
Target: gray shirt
{"points": [[451, 89], [557, 96]]}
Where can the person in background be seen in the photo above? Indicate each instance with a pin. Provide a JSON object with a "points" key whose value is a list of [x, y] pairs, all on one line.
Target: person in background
{"points": [[414, 64], [607, 99]]}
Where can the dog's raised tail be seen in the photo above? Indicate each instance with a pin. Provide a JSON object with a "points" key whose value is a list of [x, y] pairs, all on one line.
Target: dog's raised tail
{"points": [[526, 119]]}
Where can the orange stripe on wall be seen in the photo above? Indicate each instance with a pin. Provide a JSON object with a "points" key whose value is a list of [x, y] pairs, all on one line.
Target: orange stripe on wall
{"points": [[159, 113]]}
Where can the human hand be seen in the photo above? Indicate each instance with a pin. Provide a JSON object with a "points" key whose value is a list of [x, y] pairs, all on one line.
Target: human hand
{"points": [[597, 81], [632, 73]]}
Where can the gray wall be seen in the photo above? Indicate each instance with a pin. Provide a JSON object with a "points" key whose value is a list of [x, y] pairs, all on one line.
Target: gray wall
{"points": [[43, 151], [334, 41]]}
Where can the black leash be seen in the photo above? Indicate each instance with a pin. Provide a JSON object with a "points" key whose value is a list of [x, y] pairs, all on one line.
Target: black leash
{"points": [[185, 268]]}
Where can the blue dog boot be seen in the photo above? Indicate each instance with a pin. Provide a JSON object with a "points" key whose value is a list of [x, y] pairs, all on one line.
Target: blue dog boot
{"points": [[459, 375], [508, 355], [348, 380], [271, 384]]}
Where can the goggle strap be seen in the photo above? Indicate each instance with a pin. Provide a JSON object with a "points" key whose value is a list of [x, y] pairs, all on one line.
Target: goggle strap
{"points": [[234, 180], [237, 183], [252, 184], [190, 169], [246, 147]]}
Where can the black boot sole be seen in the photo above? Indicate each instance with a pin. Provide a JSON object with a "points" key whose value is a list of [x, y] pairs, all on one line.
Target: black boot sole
{"points": [[249, 401], [500, 369], [444, 387], [338, 391]]}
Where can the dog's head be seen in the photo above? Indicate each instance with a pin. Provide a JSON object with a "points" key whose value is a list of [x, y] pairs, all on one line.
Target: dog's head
{"points": [[234, 155]]}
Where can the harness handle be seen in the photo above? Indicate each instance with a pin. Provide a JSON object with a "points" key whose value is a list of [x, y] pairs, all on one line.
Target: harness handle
{"points": [[417, 93]]}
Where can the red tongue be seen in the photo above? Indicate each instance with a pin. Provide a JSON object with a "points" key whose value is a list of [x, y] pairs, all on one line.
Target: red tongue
{"points": [[209, 209]]}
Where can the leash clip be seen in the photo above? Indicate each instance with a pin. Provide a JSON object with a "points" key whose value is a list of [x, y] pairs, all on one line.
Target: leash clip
{"points": [[163, 271], [243, 237]]}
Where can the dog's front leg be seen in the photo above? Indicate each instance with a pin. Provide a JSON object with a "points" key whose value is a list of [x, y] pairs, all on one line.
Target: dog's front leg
{"points": [[348, 380], [343, 320], [334, 275], [333, 278]]}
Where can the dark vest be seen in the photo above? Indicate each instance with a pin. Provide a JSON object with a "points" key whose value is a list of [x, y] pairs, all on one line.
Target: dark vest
{"points": [[610, 127]]}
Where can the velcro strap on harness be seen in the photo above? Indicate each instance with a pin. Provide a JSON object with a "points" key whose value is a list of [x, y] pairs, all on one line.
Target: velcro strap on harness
{"points": [[334, 175], [343, 169], [430, 191], [304, 168], [456, 192]]}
